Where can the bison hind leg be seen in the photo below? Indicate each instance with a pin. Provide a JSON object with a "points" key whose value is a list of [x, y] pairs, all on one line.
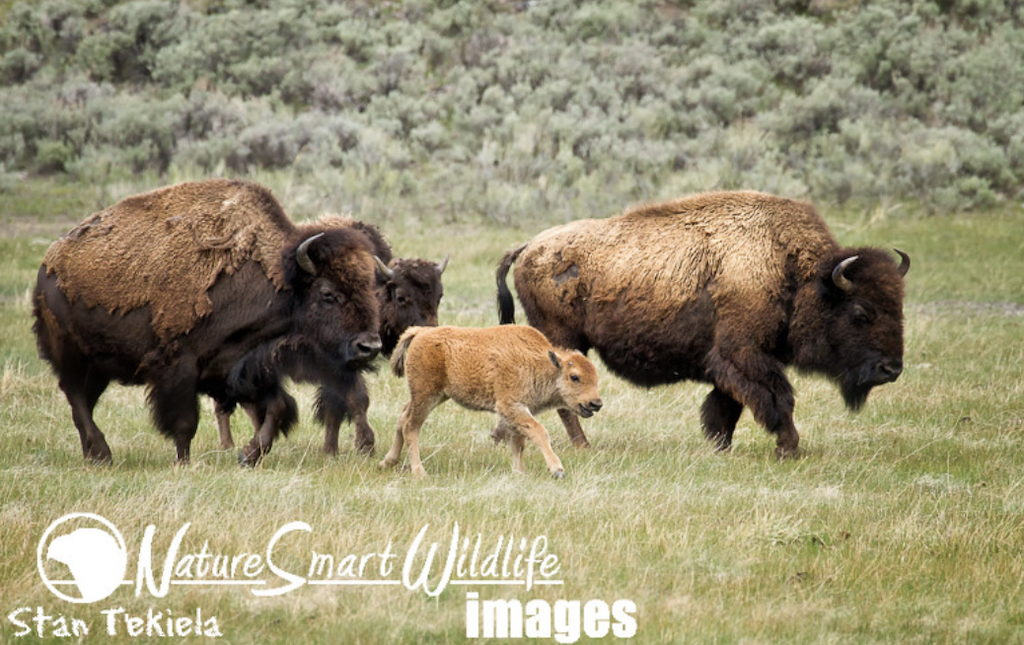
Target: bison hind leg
{"points": [[719, 415], [82, 394]]}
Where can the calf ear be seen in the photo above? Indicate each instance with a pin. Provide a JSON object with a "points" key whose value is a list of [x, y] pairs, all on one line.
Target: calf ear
{"points": [[554, 359]]}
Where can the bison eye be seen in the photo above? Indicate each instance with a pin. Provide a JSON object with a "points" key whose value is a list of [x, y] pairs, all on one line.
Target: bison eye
{"points": [[574, 378], [861, 315], [330, 297]]}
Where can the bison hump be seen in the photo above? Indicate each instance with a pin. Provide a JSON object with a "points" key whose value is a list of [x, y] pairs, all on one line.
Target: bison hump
{"points": [[166, 248]]}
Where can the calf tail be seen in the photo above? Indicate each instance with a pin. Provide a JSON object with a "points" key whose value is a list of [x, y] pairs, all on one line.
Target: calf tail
{"points": [[506, 305], [398, 357]]}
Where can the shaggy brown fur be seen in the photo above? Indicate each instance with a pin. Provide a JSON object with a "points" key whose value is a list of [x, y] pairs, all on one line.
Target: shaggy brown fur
{"points": [[208, 228], [726, 288], [513, 371], [255, 308]]}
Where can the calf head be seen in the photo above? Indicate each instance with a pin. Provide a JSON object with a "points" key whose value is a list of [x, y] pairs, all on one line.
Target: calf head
{"points": [[577, 382], [862, 296], [335, 310], [408, 296]]}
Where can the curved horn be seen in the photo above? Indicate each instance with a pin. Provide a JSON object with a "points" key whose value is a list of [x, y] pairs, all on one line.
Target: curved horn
{"points": [[383, 268], [443, 264], [838, 278], [904, 262], [302, 254]]}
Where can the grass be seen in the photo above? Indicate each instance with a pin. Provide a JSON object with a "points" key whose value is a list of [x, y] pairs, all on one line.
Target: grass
{"points": [[900, 524]]}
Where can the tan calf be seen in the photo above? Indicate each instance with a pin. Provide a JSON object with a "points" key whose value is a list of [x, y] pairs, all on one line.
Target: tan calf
{"points": [[511, 370]]}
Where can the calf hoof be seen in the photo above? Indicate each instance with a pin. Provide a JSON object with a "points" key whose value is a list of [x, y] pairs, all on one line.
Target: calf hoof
{"points": [[498, 435], [558, 474]]}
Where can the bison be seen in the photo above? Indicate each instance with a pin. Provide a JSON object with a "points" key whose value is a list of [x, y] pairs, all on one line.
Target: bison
{"points": [[408, 292], [513, 371], [204, 287], [726, 288]]}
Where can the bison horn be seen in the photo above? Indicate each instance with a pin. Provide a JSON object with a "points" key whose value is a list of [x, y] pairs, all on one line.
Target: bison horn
{"points": [[383, 268], [443, 264], [838, 278], [904, 262], [302, 254]]}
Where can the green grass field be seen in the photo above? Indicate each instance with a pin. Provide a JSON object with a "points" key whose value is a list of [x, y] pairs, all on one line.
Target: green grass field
{"points": [[903, 524]]}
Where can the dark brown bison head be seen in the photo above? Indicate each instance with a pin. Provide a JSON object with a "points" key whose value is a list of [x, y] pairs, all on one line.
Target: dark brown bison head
{"points": [[861, 333], [408, 296], [335, 308]]}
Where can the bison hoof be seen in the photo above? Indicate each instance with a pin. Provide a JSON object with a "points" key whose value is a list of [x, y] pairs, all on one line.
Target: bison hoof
{"points": [[784, 452], [363, 448], [249, 456], [580, 442], [558, 474]]}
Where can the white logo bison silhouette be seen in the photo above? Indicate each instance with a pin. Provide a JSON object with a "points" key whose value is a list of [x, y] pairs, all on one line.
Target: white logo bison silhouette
{"points": [[96, 558]]}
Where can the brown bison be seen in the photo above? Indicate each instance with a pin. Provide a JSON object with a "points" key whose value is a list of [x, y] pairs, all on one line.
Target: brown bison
{"points": [[204, 287], [513, 371], [409, 292], [726, 288]]}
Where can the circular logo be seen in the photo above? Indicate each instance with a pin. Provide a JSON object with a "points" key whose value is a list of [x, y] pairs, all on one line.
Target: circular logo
{"points": [[91, 549]]}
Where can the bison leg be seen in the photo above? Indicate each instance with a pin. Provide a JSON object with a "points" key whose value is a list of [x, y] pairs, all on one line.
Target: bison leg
{"points": [[719, 415], [176, 408], [519, 417], [333, 409], [83, 394], [758, 381], [223, 425], [574, 429], [273, 416]]}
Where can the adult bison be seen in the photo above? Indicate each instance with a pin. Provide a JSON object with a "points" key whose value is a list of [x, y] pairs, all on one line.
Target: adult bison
{"points": [[204, 287], [408, 294], [726, 288]]}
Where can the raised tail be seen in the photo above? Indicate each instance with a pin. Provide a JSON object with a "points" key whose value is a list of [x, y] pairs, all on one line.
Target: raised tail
{"points": [[506, 305], [398, 357]]}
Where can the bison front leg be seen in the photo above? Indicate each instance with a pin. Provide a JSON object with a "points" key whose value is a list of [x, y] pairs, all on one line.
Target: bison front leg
{"points": [[758, 381], [333, 408], [273, 416], [176, 406], [719, 415]]}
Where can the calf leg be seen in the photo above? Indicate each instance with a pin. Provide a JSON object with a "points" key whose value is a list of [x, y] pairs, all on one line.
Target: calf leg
{"points": [[719, 414], [574, 429], [408, 431], [82, 394], [519, 417], [518, 442]]}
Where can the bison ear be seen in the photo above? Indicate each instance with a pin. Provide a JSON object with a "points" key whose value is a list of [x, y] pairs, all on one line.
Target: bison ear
{"points": [[554, 359]]}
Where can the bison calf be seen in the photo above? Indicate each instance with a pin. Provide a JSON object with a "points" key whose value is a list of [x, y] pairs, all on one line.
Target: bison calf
{"points": [[511, 370]]}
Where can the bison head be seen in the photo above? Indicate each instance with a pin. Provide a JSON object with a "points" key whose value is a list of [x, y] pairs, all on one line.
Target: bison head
{"points": [[577, 382], [408, 294], [859, 340], [332, 276]]}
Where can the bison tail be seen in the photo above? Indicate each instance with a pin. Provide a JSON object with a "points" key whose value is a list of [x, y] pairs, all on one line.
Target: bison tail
{"points": [[506, 305], [398, 357]]}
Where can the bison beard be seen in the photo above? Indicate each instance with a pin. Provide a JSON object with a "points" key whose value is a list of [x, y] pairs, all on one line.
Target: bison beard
{"points": [[727, 288]]}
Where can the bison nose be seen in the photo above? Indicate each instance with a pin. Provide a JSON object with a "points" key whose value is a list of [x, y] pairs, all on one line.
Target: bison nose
{"points": [[365, 346], [595, 405], [891, 369]]}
